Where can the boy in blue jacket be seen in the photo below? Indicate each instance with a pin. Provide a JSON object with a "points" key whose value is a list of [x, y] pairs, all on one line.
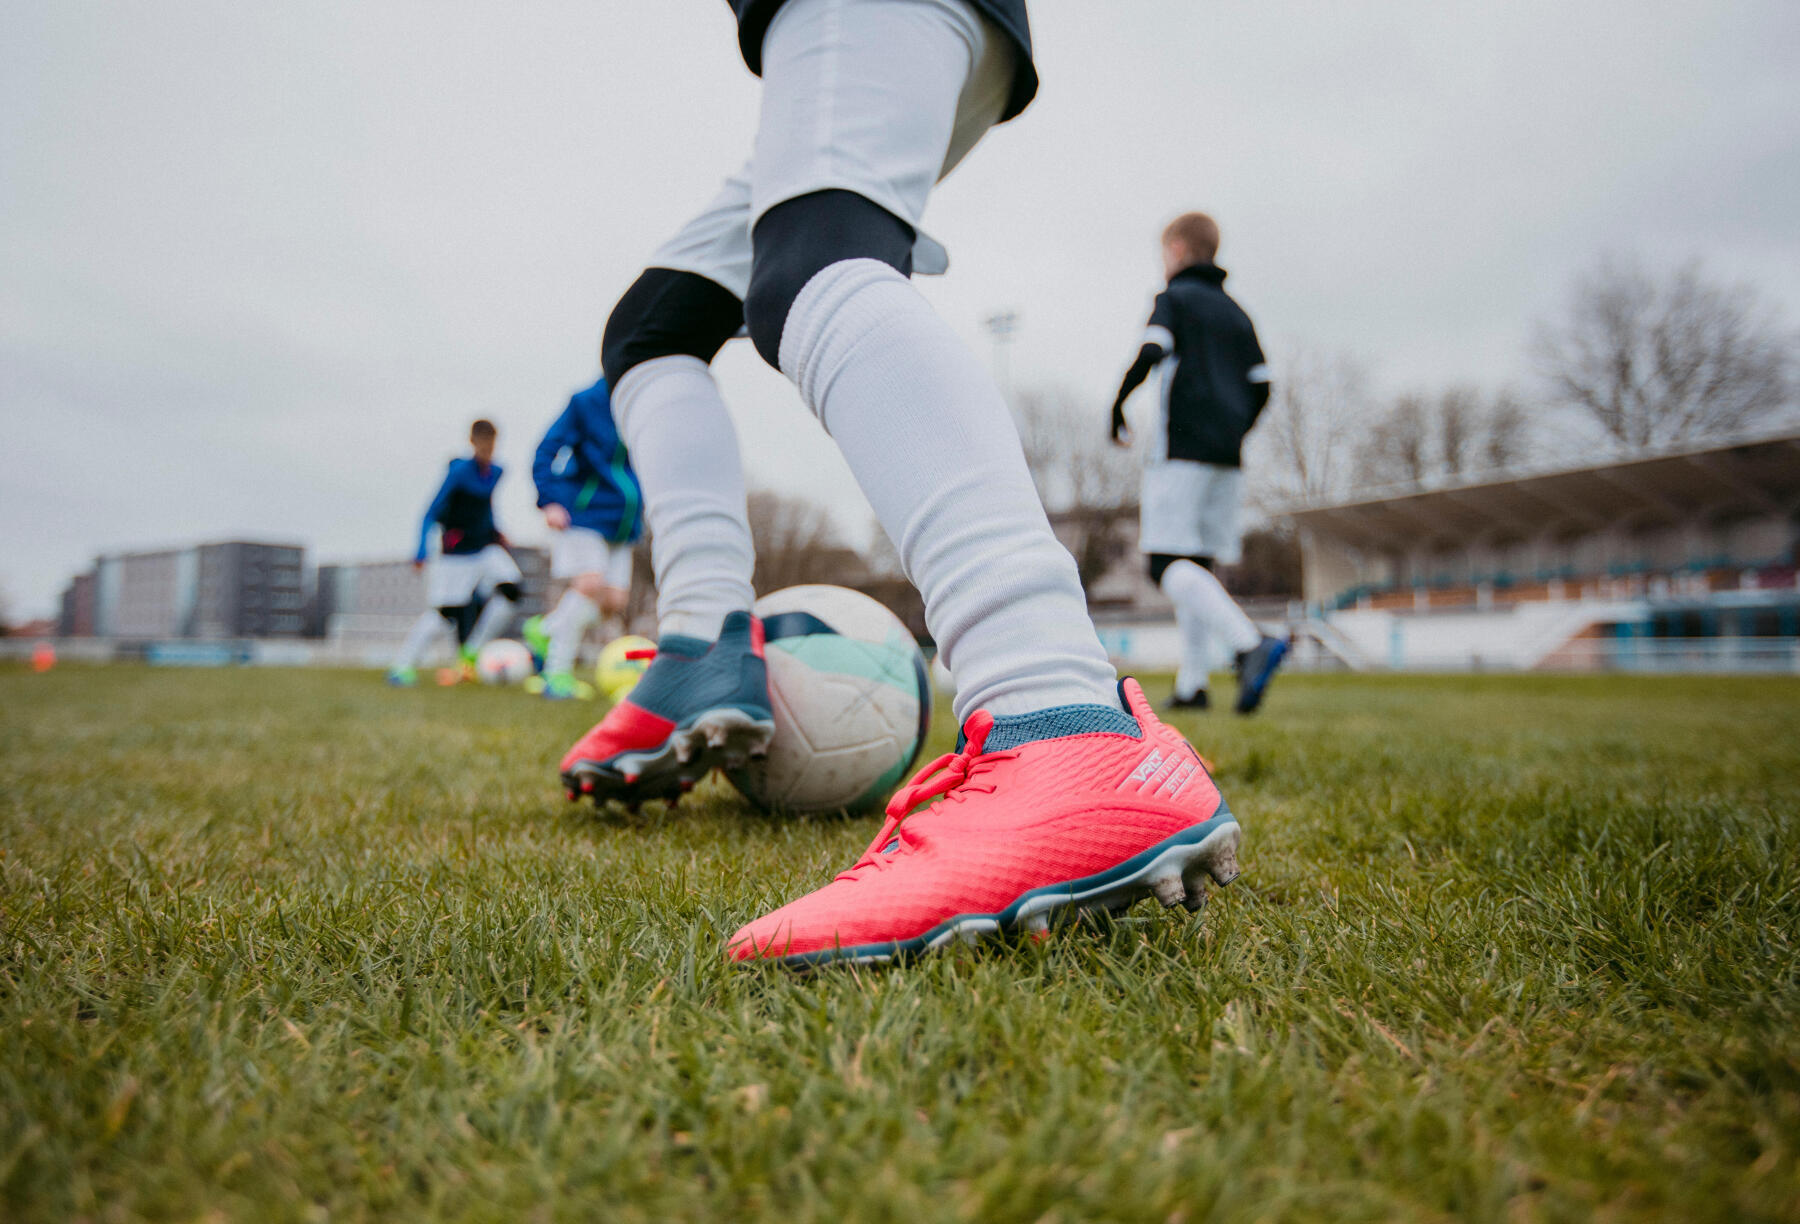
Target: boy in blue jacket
{"points": [[473, 582], [590, 499]]}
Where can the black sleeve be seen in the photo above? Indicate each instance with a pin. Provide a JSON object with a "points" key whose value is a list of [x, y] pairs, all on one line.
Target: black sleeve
{"points": [[1140, 369], [1162, 323]]}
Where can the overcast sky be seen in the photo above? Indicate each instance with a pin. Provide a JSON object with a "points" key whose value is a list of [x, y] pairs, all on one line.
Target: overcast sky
{"points": [[260, 264]]}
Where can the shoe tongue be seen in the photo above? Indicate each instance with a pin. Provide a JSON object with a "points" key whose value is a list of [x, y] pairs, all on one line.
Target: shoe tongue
{"points": [[973, 736], [1053, 722], [683, 645]]}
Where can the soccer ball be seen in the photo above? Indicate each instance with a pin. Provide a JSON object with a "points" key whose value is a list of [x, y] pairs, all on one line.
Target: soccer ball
{"points": [[851, 697], [615, 675], [504, 661]]}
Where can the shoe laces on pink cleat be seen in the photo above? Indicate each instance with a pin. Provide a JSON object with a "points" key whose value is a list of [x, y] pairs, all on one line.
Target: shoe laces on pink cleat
{"points": [[948, 777]]}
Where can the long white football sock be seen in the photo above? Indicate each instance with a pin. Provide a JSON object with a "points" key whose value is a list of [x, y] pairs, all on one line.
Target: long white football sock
{"points": [[491, 624], [685, 452], [419, 639], [931, 443], [1194, 588], [1194, 674], [567, 623]]}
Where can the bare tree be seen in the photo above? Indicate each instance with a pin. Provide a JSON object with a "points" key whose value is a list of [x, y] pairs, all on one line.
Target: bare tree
{"points": [[1089, 486], [1270, 564], [1397, 447], [1067, 450], [1511, 438], [1304, 447], [796, 543], [1459, 413], [1656, 361], [1456, 432], [882, 558]]}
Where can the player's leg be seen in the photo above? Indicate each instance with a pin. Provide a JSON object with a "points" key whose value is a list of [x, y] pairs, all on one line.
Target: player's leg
{"points": [[575, 613], [576, 555], [1066, 791], [452, 587], [1197, 593], [903, 89], [612, 589], [704, 701], [496, 614], [1190, 514], [430, 625], [1257, 655], [595, 592], [500, 578], [1192, 677], [596, 597], [659, 344], [463, 618], [565, 627]]}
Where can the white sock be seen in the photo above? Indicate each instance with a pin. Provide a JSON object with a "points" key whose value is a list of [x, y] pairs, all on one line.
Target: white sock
{"points": [[419, 639], [685, 452], [573, 614], [935, 450], [1194, 674], [491, 624], [1195, 591]]}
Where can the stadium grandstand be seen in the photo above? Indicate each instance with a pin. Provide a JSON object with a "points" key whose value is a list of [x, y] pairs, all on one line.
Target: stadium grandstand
{"points": [[1676, 561]]}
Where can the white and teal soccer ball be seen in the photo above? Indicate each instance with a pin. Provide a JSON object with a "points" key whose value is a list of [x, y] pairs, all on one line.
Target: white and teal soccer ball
{"points": [[504, 661], [852, 702]]}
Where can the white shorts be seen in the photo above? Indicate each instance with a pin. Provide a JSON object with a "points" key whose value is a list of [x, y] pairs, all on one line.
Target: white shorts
{"points": [[582, 550], [1189, 509], [879, 97], [454, 578]]}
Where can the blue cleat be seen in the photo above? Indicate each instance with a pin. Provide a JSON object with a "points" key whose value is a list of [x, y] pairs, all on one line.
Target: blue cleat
{"points": [[1255, 668]]}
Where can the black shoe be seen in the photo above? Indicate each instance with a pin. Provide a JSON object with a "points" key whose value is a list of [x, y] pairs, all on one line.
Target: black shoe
{"points": [[1255, 668], [1199, 701]]}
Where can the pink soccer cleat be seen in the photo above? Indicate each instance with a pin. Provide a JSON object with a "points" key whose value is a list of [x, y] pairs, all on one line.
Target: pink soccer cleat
{"points": [[1089, 819]]}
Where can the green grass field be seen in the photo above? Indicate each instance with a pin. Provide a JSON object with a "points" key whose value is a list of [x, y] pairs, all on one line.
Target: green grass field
{"points": [[288, 945]]}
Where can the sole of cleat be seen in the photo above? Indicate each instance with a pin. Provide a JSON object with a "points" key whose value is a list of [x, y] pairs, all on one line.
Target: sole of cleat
{"points": [[725, 738], [1174, 872]]}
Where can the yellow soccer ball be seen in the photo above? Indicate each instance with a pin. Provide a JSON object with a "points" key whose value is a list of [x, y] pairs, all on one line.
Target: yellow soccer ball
{"points": [[615, 675]]}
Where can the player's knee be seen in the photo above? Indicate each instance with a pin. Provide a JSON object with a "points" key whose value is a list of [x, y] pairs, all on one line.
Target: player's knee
{"points": [[508, 591], [590, 586], [1158, 564], [613, 600], [799, 238], [667, 313]]}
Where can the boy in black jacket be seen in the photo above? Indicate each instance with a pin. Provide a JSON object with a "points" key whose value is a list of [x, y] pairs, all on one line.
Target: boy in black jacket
{"points": [[1215, 384]]}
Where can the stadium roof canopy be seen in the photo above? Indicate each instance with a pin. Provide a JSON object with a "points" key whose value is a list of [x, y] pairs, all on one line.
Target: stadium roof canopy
{"points": [[1741, 479]]}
